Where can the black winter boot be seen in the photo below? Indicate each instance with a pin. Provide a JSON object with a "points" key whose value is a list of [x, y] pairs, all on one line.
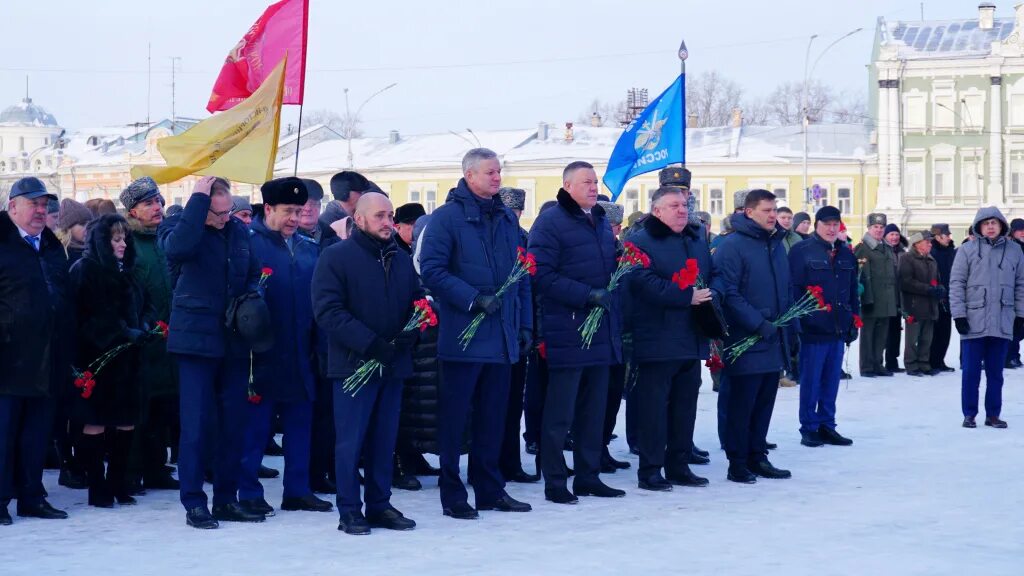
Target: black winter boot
{"points": [[92, 448], [117, 472]]}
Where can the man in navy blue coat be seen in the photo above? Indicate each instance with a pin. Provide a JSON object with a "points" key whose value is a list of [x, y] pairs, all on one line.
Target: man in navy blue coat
{"points": [[211, 263], [825, 261], [466, 254], [282, 377], [666, 343], [363, 294], [752, 275], [575, 251]]}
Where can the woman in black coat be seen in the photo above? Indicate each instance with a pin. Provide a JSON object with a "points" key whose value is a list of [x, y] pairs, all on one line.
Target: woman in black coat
{"points": [[111, 311]]}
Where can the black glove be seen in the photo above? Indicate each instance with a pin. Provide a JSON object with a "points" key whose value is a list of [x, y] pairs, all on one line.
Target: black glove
{"points": [[406, 339], [600, 297], [382, 351], [851, 336], [1018, 328], [962, 326], [486, 303], [135, 336], [937, 291], [767, 331], [525, 341]]}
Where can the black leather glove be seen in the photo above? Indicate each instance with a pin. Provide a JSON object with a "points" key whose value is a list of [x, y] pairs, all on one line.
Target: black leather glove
{"points": [[767, 331], [382, 351], [406, 340], [851, 336], [600, 297], [936, 291], [135, 336], [525, 341], [486, 303], [962, 326], [1018, 328]]}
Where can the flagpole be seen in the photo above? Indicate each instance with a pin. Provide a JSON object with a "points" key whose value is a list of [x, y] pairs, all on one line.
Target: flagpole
{"points": [[298, 139], [302, 82], [683, 55]]}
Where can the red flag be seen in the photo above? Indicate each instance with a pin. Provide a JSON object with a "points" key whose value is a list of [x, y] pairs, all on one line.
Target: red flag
{"points": [[280, 30]]}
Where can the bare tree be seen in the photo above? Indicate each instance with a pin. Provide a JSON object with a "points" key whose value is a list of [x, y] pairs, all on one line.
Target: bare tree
{"points": [[343, 126], [756, 113], [606, 112], [784, 104], [849, 108], [712, 98]]}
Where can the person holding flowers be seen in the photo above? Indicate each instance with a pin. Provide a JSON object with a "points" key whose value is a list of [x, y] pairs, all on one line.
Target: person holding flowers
{"points": [[920, 294], [880, 303], [364, 290], [283, 376], [582, 319], [668, 346], [112, 310], [752, 275], [825, 266], [467, 255]]}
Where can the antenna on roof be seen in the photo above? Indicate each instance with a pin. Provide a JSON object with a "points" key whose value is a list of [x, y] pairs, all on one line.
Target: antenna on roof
{"points": [[26, 88], [922, 11]]}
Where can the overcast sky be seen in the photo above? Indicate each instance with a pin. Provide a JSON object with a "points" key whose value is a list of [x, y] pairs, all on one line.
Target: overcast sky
{"points": [[478, 65]]}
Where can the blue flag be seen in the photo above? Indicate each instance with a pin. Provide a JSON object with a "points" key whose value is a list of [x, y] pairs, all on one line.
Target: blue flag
{"points": [[651, 142]]}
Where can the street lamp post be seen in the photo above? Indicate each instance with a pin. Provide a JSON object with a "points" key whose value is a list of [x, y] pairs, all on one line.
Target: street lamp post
{"points": [[804, 112], [350, 120]]}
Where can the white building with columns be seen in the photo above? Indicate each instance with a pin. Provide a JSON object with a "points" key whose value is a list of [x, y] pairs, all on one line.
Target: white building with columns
{"points": [[948, 104]]}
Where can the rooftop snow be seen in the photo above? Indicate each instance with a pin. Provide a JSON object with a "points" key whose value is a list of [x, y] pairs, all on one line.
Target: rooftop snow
{"points": [[944, 38]]}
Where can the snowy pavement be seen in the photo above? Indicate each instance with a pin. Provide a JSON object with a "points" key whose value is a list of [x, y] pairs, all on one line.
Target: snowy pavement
{"points": [[915, 494]]}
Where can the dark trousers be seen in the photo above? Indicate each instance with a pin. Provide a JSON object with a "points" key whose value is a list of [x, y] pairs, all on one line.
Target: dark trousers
{"points": [[482, 389], [993, 351], [367, 426], [892, 343], [872, 343], [940, 339], [917, 354], [213, 421], [821, 365], [25, 427], [576, 399], [153, 436], [667, 394], [533, 398], [510, 461], [321, 447], [297, 424], [65, 431], [616, 385], [723, 406], [751, 400]]}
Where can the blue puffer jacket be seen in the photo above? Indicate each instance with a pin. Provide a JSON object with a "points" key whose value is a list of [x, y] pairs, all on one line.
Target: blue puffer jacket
{"points": [[574, 257], [209, 268], [752, 275], [813, 262], [285, 372], [663, 329], [467, 251], [364, 289]]}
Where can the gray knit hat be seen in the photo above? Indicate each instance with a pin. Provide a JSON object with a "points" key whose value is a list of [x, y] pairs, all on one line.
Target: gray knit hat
{"points": [[739, 198], [139, 191], [239, 203], [513, 198], [72, 213], [727, 224], [614, 212]]}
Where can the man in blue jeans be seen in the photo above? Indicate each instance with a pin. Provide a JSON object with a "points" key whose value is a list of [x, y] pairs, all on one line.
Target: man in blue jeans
{"points": [[827, 262], [211, 264]]}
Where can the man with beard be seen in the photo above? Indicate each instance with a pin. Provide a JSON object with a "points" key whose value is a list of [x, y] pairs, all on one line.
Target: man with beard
{"points": [[158, 375], [363, 294]]}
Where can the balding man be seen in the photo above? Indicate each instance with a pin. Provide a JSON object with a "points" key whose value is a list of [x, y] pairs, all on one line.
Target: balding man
{"points": [[363, 294]]}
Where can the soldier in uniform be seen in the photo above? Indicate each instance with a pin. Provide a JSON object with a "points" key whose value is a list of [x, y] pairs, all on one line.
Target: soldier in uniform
{"points": [[878, 302]]}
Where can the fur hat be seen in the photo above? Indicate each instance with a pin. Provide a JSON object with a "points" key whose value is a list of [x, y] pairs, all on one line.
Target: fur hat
{"points": [[614, 212], [289, 190], [138, 191], [513, 198]]}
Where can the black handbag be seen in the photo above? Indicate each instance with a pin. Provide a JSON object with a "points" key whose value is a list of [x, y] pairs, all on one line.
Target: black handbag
{"points": [[249, 317]]}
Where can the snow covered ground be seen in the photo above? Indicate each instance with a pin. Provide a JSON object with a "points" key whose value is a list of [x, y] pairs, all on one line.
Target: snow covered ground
{"points": [[915, 494]]}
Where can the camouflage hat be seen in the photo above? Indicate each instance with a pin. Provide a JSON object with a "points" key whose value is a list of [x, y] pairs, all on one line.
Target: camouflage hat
{"points": [[675, 176], [139, 191], [739, 198], [634, 217], [613, 212], [513, 198], [877, 218]]}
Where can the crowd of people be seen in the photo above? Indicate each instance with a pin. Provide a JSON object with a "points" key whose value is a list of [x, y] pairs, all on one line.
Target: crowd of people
{"points": [[141, 339]]}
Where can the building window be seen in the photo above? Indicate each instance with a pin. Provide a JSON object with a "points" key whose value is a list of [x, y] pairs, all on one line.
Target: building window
{"points": [[424, 193], [942, 113], [530, 204], [717, 202], [914, 177], [915, 114], [972, 109], [3, 166], [1017, 173], [39, 165], [971, 175], [632, 201], [845, 201], [431, 202], [942, 170], [21, 143], [1017, 109]]}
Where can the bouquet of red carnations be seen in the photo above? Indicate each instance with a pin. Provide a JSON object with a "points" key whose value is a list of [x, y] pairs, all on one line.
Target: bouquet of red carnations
{"points": [[85, 380], [422, 317], [812, 301], [525, 265], [632, 258]]}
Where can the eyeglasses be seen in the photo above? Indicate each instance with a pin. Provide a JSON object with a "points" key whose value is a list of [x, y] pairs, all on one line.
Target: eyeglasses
{"points": [[220, 214]]}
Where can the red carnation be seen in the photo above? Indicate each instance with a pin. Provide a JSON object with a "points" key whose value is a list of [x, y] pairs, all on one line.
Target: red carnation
{"points": [[164, 328], [267, 271], [857, 322], [910, 319], [255, 398], [542, 350], [934, 283]]}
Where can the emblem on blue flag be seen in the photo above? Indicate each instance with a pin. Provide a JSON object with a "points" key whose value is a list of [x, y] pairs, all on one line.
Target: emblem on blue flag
{"points": [[652, 141]]}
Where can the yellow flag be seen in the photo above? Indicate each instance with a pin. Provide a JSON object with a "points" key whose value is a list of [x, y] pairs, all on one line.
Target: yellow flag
{"points": [[239, 144]]}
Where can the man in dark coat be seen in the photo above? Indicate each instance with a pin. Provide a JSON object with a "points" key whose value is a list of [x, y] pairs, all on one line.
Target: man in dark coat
{"points": [[158, 375], [211, 263], [878, 274], [282, 376], [1013, 356], [406, 216], [34, 308], [920, 293], [466, 254], [666, 343], [346, 188], [363, 294], [943, 251], [752, 275], [826, 262], [575, 252]]}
